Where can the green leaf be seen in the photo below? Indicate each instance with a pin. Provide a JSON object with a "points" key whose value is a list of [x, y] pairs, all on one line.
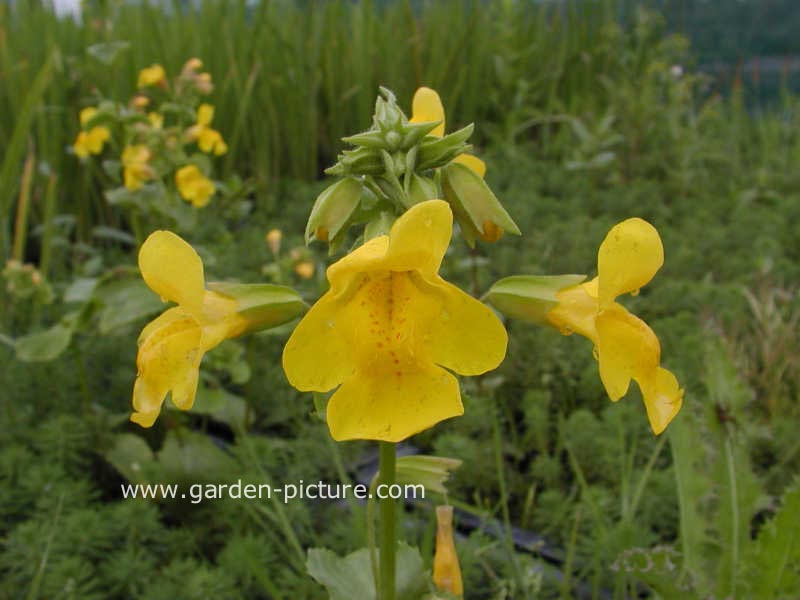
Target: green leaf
{"points": [[44, 346], [774, 563], [351, 577], [132, 457], [107, 52], [125, 301], [81, 290], [222, 406], [529, 297], [194, 457]]}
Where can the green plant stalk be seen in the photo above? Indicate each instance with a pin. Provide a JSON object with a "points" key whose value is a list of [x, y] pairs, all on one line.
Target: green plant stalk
{"points": [[387, 510], [23, 209], [508, 539], [734, 511], [47, 235]]}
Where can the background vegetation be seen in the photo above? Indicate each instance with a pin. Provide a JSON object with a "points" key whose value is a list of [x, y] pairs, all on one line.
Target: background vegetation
{"points": [[584, 119]]}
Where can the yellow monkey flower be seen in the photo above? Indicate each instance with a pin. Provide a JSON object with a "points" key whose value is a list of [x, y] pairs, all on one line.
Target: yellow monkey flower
{"points": [[193, 186], [387, 330], [208, 139], [446, 570], [152, 75], [626, 347], [135, 168], [91, 141], [172, 346]]}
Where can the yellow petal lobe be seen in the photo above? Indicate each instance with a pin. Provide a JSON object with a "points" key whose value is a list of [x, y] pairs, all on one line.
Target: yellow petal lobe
{"points": [[628, 258], [427, 107], [465, 335], [626, 347], [173, 270], [663, 397], [393, 405], [473, 162]]}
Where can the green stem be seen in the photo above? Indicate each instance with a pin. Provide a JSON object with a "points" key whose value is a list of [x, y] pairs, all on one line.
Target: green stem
{"points": [[386, 508]]}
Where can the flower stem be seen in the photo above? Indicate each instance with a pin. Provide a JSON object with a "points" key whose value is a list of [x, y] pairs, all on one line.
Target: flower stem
{"points": [[388, 536]]}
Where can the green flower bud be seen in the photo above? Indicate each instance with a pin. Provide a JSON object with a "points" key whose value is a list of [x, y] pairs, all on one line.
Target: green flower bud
{"points": [[333, 209], [437, 152], [530, 297], [476, 208], [429, 471]]}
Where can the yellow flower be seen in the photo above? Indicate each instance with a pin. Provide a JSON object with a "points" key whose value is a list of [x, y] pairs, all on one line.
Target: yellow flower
{"points": [[626, 348], [92, 141], [136, 170], [273, 238], [446, 570], [208, 139], [172, 346], [305, 269], [203, 83], [387, 329], [156, 120], [152, 75], [427, 107], [193, 186]]}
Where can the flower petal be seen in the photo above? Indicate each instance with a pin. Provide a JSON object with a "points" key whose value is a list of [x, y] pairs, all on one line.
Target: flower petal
{"points": [[205, 114], [627, 348], [419, 239], [427, 107], [393, 408], [466, 337], [576, 310], [473, 162], [168, 359], [317, 356], [628, 258], [663, 397], [173, 270]]}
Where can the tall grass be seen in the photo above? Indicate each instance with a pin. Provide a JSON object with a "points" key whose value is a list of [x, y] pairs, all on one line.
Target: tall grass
{"points": [[294, 77]]}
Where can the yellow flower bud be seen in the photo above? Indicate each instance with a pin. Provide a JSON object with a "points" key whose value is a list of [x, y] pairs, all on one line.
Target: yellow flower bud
{"points": [[140, 102], [305, 269], [193, 64], [446, 570], [274, 240]]}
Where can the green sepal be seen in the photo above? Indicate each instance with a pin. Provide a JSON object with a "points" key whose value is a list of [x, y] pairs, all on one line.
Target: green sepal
{"points": [[529, 297], [420, 188], [264, 305], [361, 161], [429, 471], [372, 139], [378, 226], [334, 208], [474, 204], [437, 152]]}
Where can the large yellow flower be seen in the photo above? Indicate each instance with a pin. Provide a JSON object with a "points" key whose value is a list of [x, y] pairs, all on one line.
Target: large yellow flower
{"points": [[135, 168], [208, 139], [152, 75], [91, 141], [193, 186], [427, 107], [385, 330], [172, 346], [626, 347]]}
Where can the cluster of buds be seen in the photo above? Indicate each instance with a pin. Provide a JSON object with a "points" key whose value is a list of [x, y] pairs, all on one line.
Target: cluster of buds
{"points": [[162, 135], [400, 162], [24, 282]]}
